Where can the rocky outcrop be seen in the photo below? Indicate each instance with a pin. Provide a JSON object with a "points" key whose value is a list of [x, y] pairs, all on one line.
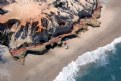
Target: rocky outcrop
{"points": [[57, 20], [5, 2], [2, 11]]}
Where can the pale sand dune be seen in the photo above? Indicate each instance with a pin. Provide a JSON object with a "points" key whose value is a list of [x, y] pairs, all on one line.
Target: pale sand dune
{"points": [[48, 66]]}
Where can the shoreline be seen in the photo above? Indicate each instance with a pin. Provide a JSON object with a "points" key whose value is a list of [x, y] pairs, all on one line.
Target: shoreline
{"points": [[48, 66]]}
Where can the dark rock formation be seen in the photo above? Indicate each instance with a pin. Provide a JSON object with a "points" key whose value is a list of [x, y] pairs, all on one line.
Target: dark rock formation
{"points": [[5, 2], [61, 18], [2, 11]]}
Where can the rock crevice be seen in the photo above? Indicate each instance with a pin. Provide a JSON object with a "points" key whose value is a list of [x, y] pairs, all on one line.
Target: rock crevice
{"points": [[56, 20]]}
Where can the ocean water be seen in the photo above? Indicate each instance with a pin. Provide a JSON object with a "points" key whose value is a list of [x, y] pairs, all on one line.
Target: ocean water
{"points": [[102, 64], [110, 71]]}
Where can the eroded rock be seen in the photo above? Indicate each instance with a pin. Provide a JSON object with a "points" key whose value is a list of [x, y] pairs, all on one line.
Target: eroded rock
{"points": [[5, 2], [57, 19]]}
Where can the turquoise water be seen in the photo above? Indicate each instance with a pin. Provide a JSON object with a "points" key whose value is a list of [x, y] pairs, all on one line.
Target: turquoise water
{"points": [[111, 71], [102, 64]]}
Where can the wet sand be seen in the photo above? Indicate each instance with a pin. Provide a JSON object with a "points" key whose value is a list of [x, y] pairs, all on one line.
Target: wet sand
{"points": [[48, 66]]}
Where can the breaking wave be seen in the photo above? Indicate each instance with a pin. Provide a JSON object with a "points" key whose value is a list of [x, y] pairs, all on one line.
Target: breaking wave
{"points": [[98, 56]]}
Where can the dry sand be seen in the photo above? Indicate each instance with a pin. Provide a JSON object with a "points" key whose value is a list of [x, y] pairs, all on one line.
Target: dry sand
{"points": [[48, 66]]}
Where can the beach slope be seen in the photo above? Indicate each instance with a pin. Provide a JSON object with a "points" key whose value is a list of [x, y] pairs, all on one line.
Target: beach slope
{"points": [[48, 66]]}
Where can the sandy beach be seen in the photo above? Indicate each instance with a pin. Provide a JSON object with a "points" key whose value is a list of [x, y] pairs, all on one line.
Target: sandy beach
{"points": [[46, 67]]}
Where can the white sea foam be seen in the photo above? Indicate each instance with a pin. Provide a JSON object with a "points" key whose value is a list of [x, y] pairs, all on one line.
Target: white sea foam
{"points": [[98, 56]]}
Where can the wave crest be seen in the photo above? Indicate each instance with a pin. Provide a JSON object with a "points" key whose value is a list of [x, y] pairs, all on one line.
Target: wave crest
{"points": [[98, 56]]}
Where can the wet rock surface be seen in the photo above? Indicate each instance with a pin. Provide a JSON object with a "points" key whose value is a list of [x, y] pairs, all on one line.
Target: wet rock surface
{"points": [[57, 20]]}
